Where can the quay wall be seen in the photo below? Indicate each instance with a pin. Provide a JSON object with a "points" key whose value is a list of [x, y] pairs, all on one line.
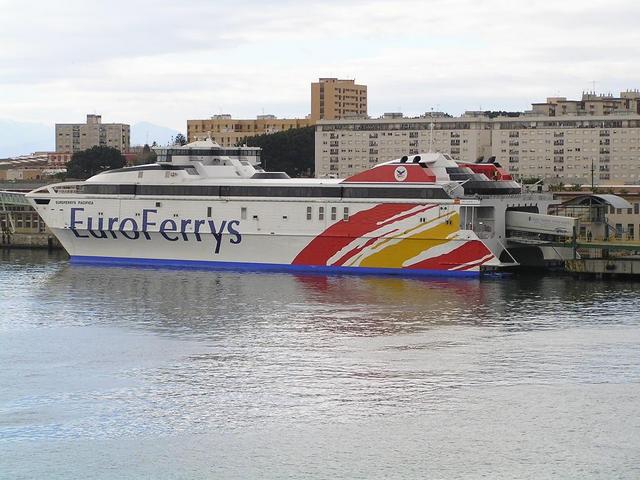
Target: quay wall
{"points": [[604, 267], [29, 240]]}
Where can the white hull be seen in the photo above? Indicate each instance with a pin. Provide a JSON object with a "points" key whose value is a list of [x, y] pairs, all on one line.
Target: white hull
{"points": [[389, 238]]}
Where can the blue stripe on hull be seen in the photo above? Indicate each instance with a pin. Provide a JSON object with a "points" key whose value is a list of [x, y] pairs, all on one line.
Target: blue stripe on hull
{"points": [[268, 267]]}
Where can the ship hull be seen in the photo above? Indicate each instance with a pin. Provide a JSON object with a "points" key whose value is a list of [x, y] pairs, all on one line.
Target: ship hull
{"points": [[384, 239], [264, 267]]}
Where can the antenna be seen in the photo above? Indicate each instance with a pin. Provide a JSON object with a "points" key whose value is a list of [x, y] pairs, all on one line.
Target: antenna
{"points": [[431, 132]]}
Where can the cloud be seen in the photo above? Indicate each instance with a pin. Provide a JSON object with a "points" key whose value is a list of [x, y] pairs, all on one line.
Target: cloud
{"points": [[166, 61]]}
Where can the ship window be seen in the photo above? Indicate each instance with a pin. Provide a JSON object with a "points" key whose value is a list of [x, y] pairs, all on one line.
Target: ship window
{"points": [[281, 191], [108, 189], [333, 213], [158, 204], [320, 213], [267, 191], [208, 211], [309, 212], [243, 213], [382, 192], [197, 190], [140, 173], [345, 215]]}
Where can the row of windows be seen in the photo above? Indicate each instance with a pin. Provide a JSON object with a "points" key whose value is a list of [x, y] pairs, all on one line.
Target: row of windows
{"points": [[334, 213], [233, 152], [23, 220], [266, 191], [484, 124], [321, 213], [398, 126]]}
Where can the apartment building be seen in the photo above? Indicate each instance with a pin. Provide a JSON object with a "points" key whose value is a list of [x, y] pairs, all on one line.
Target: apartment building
{"points": [[561, 145], [346, 147], [74, 137], [567, 149], [590, 104], [58, 160], [227, 131], [335, 99]]}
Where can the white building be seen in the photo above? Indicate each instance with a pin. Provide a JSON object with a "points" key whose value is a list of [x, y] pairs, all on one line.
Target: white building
{"points": [[345, 147], [560, 141]]}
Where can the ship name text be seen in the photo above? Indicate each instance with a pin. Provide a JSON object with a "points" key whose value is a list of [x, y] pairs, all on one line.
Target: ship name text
{"points": [[170, 229]]}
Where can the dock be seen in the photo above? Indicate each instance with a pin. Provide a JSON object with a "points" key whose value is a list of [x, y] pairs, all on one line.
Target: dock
{"points": [[604, 267], [603, 258]]}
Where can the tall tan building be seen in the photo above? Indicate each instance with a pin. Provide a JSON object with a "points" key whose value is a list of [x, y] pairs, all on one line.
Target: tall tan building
{"points": [[74, 137], [335, 99], [556, 144], [227, 131]]}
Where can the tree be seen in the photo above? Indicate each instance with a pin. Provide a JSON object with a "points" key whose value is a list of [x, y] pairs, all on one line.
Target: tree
{"points": [[291, 151], [179, 139], [530, 180], [86, 163], [500, 113], [147, 156]]}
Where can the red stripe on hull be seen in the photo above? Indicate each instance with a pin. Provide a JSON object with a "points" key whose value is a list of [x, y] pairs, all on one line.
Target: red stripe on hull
{"points": [[470, 251], [339, 235]]}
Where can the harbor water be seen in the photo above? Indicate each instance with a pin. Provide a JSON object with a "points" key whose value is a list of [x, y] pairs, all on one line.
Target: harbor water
{"points": [[111, 373]]}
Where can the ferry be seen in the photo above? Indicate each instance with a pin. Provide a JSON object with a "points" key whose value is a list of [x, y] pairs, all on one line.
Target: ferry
{"points": [[203, 205]]}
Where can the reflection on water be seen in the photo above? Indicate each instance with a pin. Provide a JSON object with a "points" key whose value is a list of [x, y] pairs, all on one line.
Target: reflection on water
{"points": [[204, 302], [110, 354]]}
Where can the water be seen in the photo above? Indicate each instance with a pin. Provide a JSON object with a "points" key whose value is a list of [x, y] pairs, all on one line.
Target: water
{"points": [[111, 373]]}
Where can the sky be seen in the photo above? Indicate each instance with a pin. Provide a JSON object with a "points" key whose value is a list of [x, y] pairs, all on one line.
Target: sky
{"points": [[168, 61]]}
